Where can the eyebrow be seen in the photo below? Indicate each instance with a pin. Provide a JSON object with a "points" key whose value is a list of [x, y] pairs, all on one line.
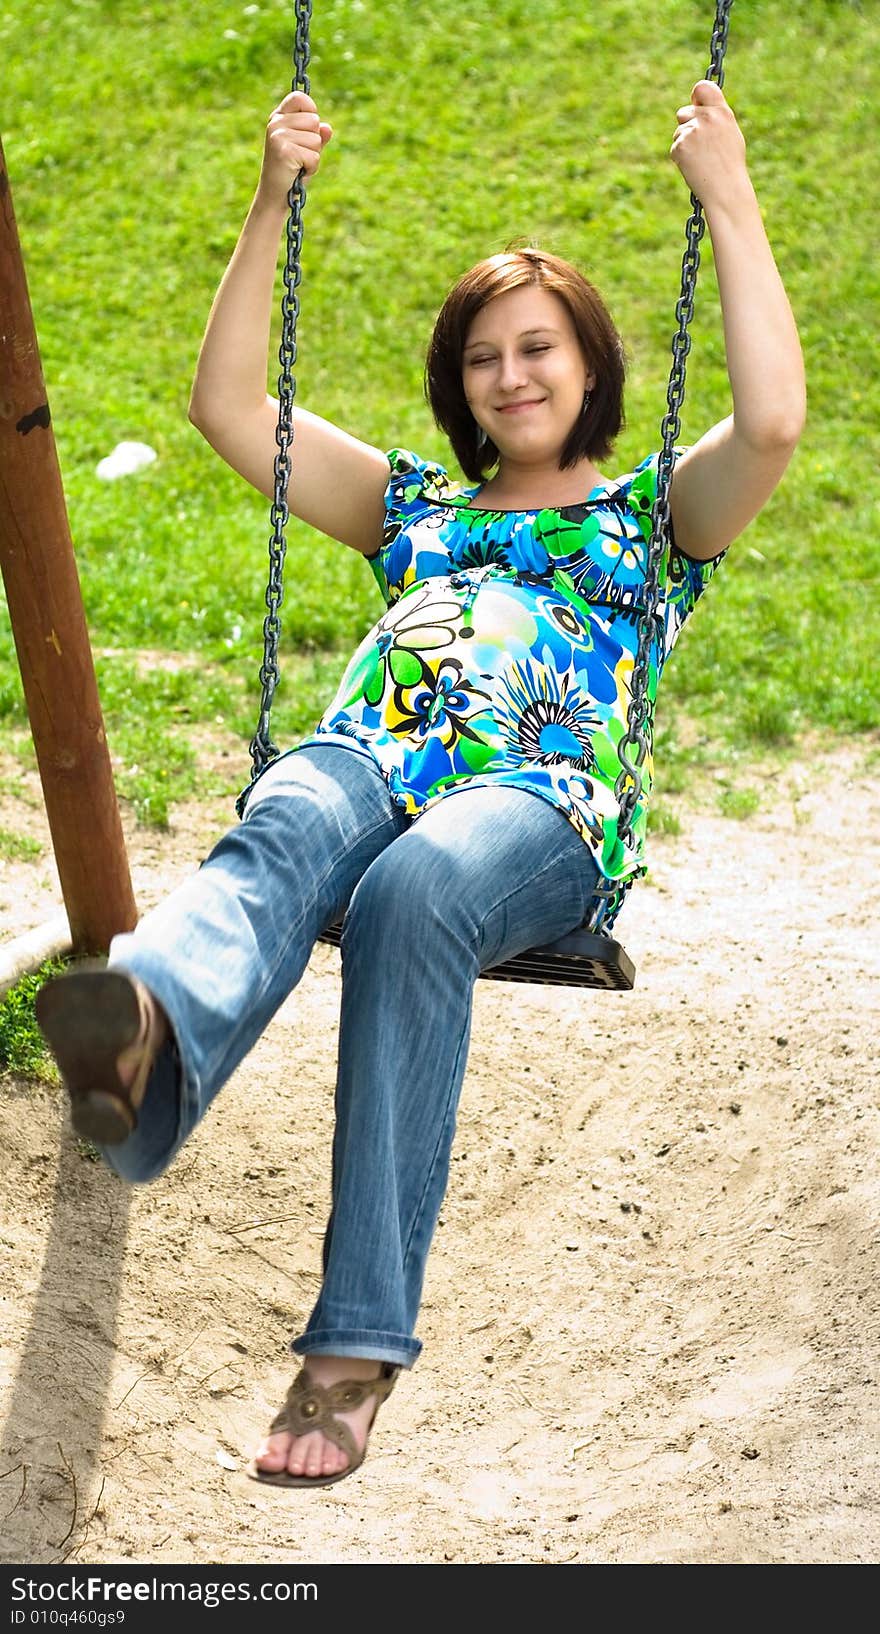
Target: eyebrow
{"points": [[543, 329]]}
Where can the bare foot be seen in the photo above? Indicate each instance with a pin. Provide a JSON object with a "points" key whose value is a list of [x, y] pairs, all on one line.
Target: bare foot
{"points": [[314, 1454]]}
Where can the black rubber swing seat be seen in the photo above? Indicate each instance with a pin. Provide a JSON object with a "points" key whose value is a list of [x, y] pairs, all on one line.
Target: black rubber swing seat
{"points": [[580, 959]]}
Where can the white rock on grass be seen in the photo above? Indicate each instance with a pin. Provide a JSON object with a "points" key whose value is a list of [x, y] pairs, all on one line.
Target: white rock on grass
{"points": [[126, 458]]}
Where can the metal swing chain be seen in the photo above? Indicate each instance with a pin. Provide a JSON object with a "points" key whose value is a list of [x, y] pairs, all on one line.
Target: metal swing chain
{"points": [[628, 787], [262, 748]]}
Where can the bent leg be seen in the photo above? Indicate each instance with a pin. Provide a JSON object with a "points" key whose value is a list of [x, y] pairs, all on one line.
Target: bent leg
{"points": [[482, 875], [222, 953]]}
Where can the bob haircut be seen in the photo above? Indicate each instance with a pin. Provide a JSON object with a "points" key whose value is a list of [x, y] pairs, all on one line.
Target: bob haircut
{"points": [[593, 434]]}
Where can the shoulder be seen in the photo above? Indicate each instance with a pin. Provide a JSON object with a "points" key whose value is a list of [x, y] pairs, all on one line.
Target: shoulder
{"points": [[636, 493], [639, 486], [414, 479]]}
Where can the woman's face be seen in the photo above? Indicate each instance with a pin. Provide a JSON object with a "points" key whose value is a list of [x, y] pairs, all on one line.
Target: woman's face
{"points": [[524, 374]]}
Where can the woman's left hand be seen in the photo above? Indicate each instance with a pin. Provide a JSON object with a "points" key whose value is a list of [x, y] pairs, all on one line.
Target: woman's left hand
{"points": [[709, 147]]}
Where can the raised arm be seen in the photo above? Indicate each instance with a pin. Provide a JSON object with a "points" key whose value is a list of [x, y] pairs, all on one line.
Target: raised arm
{"points": [[722, 482], [337, 482]]}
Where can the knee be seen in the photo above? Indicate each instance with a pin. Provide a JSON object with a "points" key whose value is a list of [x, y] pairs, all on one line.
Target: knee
{"points": [[414, 898]]}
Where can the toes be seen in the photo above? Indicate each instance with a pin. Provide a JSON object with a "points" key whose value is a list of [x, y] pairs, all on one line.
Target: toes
{"points": [[314, 1455], [306, 1455], [272, 1454]]}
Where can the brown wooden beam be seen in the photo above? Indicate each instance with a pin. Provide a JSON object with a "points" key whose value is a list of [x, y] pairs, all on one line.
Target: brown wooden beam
{"points": [[49, 626]]}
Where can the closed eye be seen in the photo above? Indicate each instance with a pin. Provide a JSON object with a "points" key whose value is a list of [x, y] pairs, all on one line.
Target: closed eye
{"points": [[476, 362]]}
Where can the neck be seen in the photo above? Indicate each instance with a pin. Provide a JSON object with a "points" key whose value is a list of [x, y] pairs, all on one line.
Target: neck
{"points": [[517, 486]]}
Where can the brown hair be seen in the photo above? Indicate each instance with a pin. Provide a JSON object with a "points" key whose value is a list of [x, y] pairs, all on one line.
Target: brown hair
{"points": [[596, 428]]}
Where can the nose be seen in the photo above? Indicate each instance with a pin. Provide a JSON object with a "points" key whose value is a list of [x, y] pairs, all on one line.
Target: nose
{"points": [[511, 371]]}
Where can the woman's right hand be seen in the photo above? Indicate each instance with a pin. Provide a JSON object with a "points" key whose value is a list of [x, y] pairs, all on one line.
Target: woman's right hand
{"points": [[295, 139]]}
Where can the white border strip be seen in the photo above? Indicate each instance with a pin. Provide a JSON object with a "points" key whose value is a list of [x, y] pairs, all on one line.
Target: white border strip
{"points": [[26, 953]]}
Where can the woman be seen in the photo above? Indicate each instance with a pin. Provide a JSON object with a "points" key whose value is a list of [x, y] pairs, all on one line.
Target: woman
{"points": [[498, 676]]}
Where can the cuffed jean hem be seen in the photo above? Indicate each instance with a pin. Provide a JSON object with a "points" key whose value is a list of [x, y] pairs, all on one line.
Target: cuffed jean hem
{"points": [[173, 1102], [164, 1119], [364, 1342]]}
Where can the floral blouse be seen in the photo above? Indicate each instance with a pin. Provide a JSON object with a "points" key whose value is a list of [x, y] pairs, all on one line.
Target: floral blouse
{"points": [[507, 650]]}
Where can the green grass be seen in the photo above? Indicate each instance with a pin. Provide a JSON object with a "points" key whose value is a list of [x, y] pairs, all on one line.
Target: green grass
{"points": [[662, 819], [23, 1051], [133, 136], [739, 803], [18, 847]]}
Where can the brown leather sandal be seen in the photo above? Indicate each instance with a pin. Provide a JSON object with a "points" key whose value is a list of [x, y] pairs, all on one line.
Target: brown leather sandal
{"points": [[89, 1016], [310, 1406]]}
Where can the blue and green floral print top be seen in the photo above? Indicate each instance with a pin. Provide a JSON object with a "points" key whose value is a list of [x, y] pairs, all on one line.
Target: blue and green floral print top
{"points": [[507, 649]]}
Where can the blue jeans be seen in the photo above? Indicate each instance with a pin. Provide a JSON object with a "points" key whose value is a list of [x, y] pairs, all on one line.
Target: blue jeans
{"points": [[426, 903]]}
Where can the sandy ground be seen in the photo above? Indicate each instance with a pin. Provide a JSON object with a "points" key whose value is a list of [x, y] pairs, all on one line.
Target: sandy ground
{"points": [[651, 1313]]}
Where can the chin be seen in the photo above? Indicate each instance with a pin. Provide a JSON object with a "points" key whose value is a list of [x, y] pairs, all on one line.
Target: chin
{"points": [[533, 449]]}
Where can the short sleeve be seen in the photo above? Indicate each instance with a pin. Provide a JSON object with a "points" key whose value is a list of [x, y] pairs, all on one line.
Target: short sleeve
{"points": [[685, 577], [404, 496], [410, 549], [411, 477]]}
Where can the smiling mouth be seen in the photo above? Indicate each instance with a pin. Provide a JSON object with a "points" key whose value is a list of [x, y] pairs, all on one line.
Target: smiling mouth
{"points": [[514, 408]]}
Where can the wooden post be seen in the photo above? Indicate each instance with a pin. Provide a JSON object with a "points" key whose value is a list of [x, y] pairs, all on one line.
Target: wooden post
{"points": [[49, 626]]}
